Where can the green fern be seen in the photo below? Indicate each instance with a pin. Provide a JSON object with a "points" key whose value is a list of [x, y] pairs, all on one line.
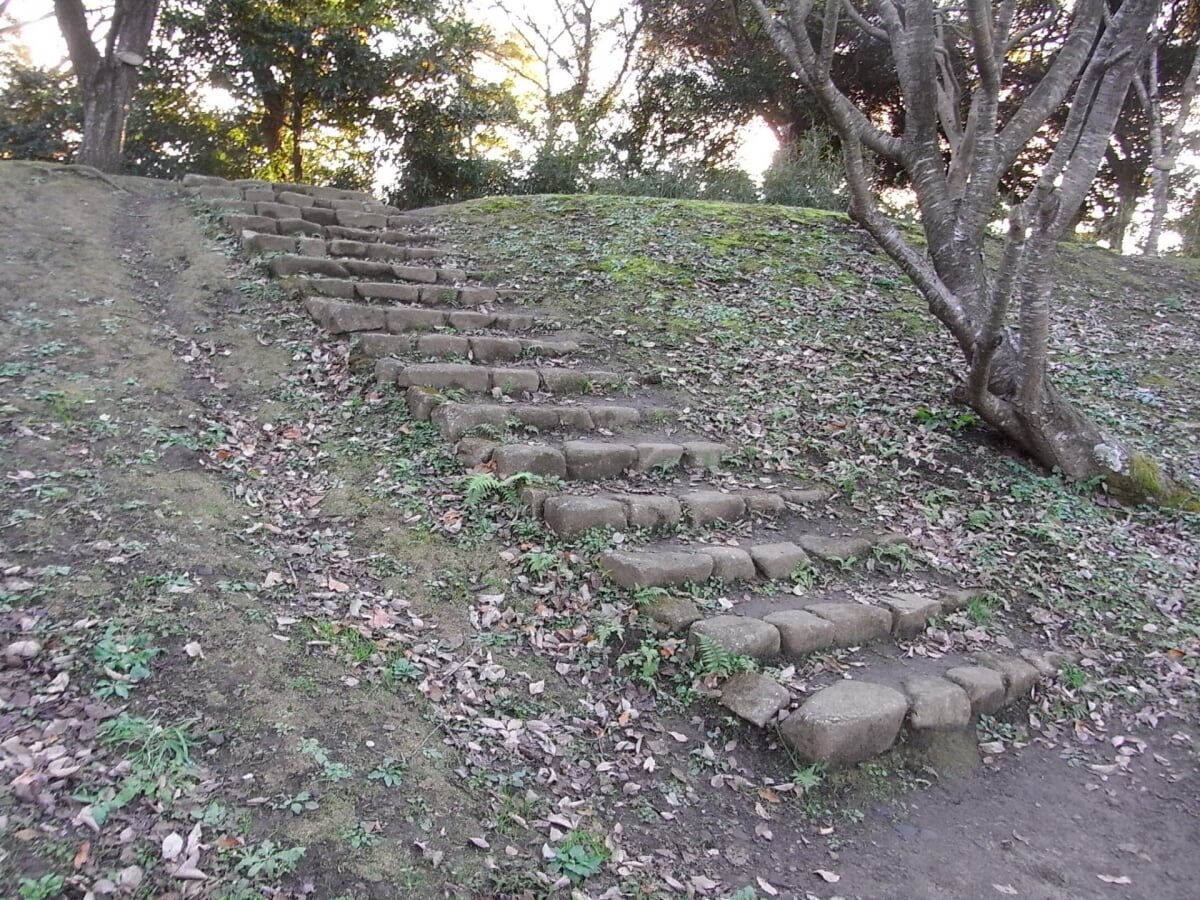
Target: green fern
{"points": [[486, 487], [713, 659]]}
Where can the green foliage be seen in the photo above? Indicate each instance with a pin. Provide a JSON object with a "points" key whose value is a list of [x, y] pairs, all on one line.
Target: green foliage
{"points": [[485, 487], [580, 856], [683, 181], [122, 662], [331, 770], [47, 887], [40, 117], [713, 660], [390, 772], [643, 663], [808, 173], [267, 861]]}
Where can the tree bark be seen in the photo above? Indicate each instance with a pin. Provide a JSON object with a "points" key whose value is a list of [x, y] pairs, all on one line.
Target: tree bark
{"points": [[1007, 362], [106, 80]]}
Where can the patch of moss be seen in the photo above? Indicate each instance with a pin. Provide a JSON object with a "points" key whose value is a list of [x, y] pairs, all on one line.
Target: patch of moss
{"points": [[1146, 483]]}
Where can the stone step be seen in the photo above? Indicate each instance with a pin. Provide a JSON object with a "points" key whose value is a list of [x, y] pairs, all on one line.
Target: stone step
{"points": [[497, 381], [569, 514], [591, 460], [290, 265], [925, 701], [799, 626], [424, 294], [339, 317], [457, 420], [673, 566]]}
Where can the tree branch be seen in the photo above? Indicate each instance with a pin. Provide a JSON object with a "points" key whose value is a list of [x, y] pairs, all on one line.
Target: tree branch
{"points": [[72, 21]]}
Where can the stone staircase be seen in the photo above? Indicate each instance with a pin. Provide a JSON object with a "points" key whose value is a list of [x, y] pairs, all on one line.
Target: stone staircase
{"points": [[516, 393]]}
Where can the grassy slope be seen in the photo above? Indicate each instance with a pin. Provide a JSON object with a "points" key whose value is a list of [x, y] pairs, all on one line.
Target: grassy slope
{"points": [[194, 462], [792, 333]]}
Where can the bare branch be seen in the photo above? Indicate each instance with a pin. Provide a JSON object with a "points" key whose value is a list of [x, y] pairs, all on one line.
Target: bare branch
{"points": [[798, 50], [860, 20]]}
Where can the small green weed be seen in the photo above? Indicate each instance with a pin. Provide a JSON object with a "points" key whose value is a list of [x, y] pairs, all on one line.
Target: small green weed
{"points": [[390, 772], [580, 856], [122, 662], [296, 804], [48, 887], [330, 770]]}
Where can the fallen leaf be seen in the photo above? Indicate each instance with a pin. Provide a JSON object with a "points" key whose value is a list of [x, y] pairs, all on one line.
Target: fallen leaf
{"points": [[81, 855], [1006, 889], [192, 649], [768, 888], [830, 877], [1115, 879], [338, 587], [172, 846]]}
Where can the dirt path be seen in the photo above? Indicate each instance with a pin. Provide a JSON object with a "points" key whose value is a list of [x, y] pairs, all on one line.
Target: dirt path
{"points": [[259, 669]]}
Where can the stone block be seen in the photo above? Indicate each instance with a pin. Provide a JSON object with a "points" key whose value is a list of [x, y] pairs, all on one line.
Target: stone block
{"points": [[474, 451], [191, 179], [277, 210], [254, 242], [294, 198], [703, 507], [534, 498], [457, 420], [352, 219], [387, 370], [764, 503], [477, 296], [515, 381], [595, 460], [434, 295], [403, 221], [1019, 676], [910, 612], [419, 274], [652, 511], [808, 497], [422, 401], [451, 276], [446, 375], [845, 723], [569, 515], [778, 560], [323, 217], [538, 459], [632, 569], [658, 456], [535, 418], [349, 205], [935, 702], [369, 269], [385, 344], [703, 454], [548, 347], [513, 322], [298, 226], [835, 549], [401, 319], [328, 287], [342, 318], [238, 223], [801, 632], [215, 194], [853, 623], [442, 345], [574, 418], [311, 246], [754, 697], [286, 266], [348, 248], [565, 381], [954, 600], [739, 634], [470, 321], [984, 688], [495, 349], [385, 252], [614, 418], [256, 195], [730, 564], [673, 613]]}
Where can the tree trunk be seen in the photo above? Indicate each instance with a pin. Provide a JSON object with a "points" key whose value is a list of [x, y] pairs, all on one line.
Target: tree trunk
{"points": [[105, 106], [106, 81]]}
